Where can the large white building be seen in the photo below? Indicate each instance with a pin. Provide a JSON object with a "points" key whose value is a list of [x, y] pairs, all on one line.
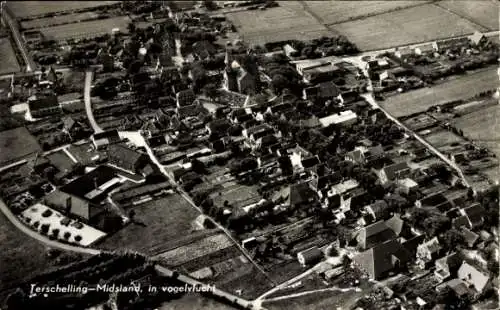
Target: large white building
{"points": [[345, 118]]}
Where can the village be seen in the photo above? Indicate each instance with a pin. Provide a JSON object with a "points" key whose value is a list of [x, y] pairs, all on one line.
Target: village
{"points": [[267, 170]]}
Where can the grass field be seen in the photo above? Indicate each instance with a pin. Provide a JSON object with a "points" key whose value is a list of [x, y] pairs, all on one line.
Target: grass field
{"points": [[19, 143], [29, 8], [332, 12], [83, 29], [286, 22], [442, 138], [21, 256], [403, 27], [9, 62], [460, 88], [57, 20], [483, 127], [162, 225], [484, 13]]}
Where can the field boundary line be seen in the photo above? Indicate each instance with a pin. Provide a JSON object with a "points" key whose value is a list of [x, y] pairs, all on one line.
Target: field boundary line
{"points": [[470, 20]]}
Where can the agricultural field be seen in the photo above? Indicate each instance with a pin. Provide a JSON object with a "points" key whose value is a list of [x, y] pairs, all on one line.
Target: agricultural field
{"points": [[441, 138], [22, 257], [412, 25], [483, 127], [158, 226], [333, 12], [20, 144], [84, 29], [286, 22], [57, 20], [23, 9], [484, 13], [459, 88], [8, 57]]}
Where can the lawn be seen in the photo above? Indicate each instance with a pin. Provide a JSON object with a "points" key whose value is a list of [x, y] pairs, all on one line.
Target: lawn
{"points": [[459, 88], [332, 12], [484, 13], [30, 8], [412, 25], [250, 281], [21, 257], [442, 138], [19, 143], [57, 20], [286, 22], [483, 127], [161, 225], [8, 57], [84, 29], [61, 161]]}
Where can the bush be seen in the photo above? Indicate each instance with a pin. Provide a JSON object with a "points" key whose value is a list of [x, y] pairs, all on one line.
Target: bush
{"points": [[44, 228], [47, 213], [67, 235], [36, 224], [78, 238]]}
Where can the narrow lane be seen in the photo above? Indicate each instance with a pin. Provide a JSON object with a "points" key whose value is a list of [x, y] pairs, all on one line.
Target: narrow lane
{"points": [[89, 75]]}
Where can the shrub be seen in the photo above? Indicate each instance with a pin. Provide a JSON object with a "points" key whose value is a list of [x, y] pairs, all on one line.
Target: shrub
{"points": [[78, 225], [36, 224], [67, 235], [47, 213], [44, 228], [78, 238]]}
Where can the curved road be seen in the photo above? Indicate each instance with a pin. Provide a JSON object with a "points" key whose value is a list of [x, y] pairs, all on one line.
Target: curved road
{"points": [[89, 75]]}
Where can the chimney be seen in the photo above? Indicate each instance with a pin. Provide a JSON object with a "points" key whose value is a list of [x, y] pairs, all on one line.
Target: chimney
{"points": [[95, 183]]}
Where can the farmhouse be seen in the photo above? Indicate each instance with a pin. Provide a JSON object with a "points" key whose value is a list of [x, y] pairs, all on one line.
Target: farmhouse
{"points": [[102, 139], [127, 159], [345, 118], [425, 49], [457, 43], [310, 256], [477, 38], [382, 259], [403, 52], [44, 106]]}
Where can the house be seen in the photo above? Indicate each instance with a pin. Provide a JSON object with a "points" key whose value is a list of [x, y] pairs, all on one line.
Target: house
{"points": [[456, 43], [374, 234], [393, 172], [474, 278], [255, 132], [105, 138], [407, 185], [203, 50], [475, 215], [295, 195], [44, 106], [241, 75], [72, 205], [240, 116], [321, 72], [185, 98], [290, 52], [478, 38], [403, 52], [322, 91], [425, 49], [218, 127], [436, 200], [376, 64], [447, 266], [344, 118], [265, 142], [470, 237], [33, 37], [280, 108], [70, 126], [123, 157], [310, 256], [380, 260], [428, 251], [379, 210]]}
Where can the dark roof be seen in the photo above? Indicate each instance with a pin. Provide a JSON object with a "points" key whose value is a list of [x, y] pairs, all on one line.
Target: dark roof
{"points": [[123, 156], [311, 255], [110, 134], [204, 48], [219, 125], [43, 103], [280, 108], [411, 244], [392, 170], [374, 234], [382, 258], [475, 213], [433, 200], [269, 140], [328, 89], [86, 183], [310, 161]]}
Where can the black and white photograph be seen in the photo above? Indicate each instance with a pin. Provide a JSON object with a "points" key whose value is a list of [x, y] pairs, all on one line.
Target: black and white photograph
{"points": [[250, 155]]}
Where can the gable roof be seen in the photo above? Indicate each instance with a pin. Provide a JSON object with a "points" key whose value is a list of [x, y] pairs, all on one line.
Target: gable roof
{"points": [[43, 103], [473, 276], [392, 171], [476, 37], [475, 214], [373, 234], [432, 245], [382, 258], [395, 223], [123, 156]]}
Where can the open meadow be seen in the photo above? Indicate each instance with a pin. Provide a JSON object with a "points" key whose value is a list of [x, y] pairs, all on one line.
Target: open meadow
{"points": [[9, 62], [286, 22], [483, 126], [159, 225], [421, 99], [84, 29], [22, 9], [57, 20], [484, 13], [333, 12], [412, 25]]}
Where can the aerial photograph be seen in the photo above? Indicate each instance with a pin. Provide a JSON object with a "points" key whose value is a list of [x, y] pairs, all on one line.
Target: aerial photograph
{"points": [[251, 154]]}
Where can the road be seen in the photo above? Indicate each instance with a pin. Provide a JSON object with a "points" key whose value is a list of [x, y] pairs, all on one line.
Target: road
{"points": [[89, 75], [9, 20]]}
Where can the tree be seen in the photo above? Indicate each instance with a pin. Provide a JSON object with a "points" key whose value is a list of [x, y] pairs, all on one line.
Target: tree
{"points": [[198, 166], [285, 165], [16, 300], [210, 91], [493, 267], [452, 238], [435, 224], [279, 83]]}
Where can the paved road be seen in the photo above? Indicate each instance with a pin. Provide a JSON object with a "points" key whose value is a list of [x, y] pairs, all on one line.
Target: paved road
{"points": [[89, 75], [9, 20]]}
